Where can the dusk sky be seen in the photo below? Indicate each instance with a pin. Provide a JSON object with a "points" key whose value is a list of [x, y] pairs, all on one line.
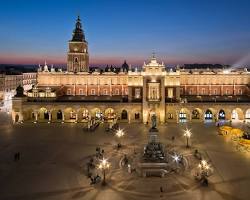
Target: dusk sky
{"points": [[32, 31]]}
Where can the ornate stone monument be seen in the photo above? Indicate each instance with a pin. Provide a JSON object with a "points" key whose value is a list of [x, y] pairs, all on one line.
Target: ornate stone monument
{"points": [[153, 151]]}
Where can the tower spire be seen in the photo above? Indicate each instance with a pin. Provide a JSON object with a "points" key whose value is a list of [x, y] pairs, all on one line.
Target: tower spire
{"points": [[78, 34]]}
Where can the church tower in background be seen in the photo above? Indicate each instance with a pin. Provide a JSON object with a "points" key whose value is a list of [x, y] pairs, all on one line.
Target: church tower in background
{"points": [[78, 56]]}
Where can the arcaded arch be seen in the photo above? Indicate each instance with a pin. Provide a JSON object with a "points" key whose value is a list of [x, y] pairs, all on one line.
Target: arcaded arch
{"points": [[109, 113], [43, 114], [124, 115], [96, 113], [221, 114], [208, 115], [83, 114], [57, 114], [196, 113], [28, 114], [237, 114], [247, 115], [70, 114], [184, 114]]}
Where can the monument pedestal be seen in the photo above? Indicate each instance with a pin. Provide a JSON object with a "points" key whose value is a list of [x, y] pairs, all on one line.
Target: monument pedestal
{"points": [[153, 160]]}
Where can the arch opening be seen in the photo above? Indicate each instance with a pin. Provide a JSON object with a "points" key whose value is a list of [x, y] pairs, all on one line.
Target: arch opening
{"points": [[97, 114], [124, 115], [109, 114], [247, 116], [208, 115], [221, 115], [183, 115], [43, 114], [196, 114], [237, 114]]}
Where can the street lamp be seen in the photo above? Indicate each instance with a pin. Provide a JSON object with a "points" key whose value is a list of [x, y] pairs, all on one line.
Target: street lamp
{"points": [[103, 166], [187, 134], [119, 134], [204, 169]]}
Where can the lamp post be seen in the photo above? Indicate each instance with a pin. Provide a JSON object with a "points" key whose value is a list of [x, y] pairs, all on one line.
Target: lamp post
{"points": [[103, 166], [187, 134], [119, 134], [204, 169]]}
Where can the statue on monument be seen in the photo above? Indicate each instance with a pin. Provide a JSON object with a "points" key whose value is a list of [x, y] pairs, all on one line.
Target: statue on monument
{"points": [[153, 121]]}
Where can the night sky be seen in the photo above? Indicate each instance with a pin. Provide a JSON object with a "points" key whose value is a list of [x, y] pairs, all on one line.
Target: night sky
{"points": [[32, 31]]}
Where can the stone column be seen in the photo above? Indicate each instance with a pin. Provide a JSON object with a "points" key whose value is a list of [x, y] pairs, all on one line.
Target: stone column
{"points": [[76, 117], [178, 93], [36, 116], [110, 87], [63, 116], [162, 103], [130, 95], [145, 106], [49, 116]]}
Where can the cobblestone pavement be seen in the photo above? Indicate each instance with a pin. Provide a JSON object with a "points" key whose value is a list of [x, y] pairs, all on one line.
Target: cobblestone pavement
{"points": [[53, 159]]}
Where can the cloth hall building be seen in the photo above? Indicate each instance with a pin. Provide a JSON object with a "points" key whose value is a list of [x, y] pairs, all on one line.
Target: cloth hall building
{"points": [[132, 95]]}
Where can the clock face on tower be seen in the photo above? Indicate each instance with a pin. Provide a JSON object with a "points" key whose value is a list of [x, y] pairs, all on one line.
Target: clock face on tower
{"points": [[78, 47]]}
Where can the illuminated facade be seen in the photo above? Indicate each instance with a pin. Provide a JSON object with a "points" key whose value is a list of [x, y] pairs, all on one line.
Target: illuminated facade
{"points": [[133, 95]]}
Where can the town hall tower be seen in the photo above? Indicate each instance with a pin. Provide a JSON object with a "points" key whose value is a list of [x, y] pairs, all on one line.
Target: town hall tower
{"points": [[78, 56]]}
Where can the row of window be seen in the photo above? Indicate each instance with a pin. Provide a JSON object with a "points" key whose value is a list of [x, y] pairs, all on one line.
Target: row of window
{"points": [[94, 92], [214, 92], [215, 80]]}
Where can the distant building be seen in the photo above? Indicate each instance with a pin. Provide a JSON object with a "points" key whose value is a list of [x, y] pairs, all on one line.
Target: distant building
{"points": [[133, 95], [29, 80], [9, 83]]}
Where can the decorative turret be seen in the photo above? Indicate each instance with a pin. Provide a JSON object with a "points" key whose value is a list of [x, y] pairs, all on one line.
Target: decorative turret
{"points": [[39, 68], [45, 68], [52, 69]]}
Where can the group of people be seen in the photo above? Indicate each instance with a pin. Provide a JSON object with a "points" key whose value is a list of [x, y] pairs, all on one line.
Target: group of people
{"points": [[94, 179]]}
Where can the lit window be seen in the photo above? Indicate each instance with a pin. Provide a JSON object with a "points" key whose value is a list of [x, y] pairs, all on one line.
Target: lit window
{"points": [[227, 91], [92, 91], [240, 91], [81, 91], [68, 91], [191, 91], [72, 115], [105, 92], [126, 91], [117, 91], [137, 93]]}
